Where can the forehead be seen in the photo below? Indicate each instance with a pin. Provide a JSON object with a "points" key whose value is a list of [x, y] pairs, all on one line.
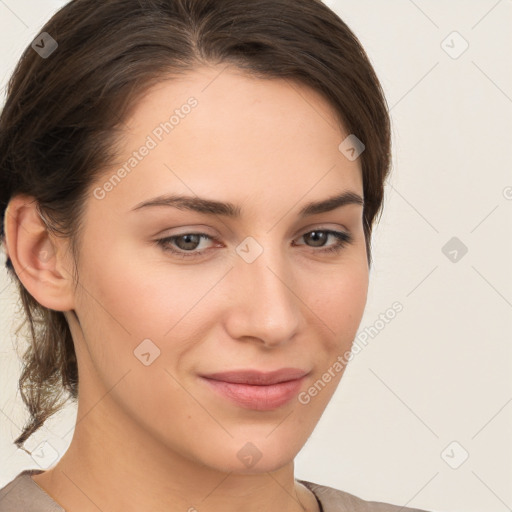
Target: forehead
{"points": [[218, 129]]}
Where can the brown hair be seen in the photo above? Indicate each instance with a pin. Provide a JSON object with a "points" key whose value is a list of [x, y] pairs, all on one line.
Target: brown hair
{"points": [[64, 112]]}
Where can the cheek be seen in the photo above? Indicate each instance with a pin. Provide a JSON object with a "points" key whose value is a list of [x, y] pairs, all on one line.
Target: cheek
{"points": [[130, 299], [124, 304], [144, 297], [339, 303], [340, 299]]}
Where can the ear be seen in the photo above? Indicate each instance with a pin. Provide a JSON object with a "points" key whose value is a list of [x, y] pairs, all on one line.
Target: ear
{"points": [[40, 259]]}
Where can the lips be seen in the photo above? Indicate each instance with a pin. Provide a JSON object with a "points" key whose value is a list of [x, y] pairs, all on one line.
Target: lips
{"points": [[256, 377], [253, 389]]}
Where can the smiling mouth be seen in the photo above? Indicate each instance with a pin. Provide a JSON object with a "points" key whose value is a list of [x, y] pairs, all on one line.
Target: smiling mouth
{"points": [[256, 390]]}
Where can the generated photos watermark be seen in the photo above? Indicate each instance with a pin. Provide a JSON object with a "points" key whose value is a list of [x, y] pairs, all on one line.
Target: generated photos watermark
{"points": [[152, 140], [342, 360]]}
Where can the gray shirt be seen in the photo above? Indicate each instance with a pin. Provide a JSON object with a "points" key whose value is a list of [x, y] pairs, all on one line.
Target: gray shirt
{"points": [[23, 494]]}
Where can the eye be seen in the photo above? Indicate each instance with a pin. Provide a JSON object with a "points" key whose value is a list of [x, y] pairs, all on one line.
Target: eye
{"points": [[188, 243], [319, 236]]}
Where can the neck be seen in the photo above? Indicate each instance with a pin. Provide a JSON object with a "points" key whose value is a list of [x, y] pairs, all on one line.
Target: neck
{"points": [[113, 465]]}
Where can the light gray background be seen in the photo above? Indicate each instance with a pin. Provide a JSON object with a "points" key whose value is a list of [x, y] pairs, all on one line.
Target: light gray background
{"points": [[440, 371]]}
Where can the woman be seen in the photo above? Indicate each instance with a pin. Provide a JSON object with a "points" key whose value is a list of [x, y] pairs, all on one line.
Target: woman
{"points": [[188, 190]]}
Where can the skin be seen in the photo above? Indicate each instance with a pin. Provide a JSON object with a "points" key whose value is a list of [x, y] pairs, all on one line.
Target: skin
{"points": [[156, 437]]}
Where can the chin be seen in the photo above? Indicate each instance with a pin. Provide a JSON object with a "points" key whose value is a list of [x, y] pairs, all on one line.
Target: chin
{"points": [[253, 454]]}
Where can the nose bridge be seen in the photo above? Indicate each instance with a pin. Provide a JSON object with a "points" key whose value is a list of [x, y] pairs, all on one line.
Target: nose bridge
{"points": [[265, 306]]}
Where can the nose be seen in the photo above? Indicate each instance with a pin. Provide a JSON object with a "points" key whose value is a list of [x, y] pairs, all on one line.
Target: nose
{"points": [[264, 304]]}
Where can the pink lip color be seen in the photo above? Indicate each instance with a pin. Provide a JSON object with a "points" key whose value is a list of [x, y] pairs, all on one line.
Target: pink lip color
{"points": [[255, 389], [257, 397]]}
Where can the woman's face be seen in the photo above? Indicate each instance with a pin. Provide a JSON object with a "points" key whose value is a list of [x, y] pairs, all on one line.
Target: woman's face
{"points": [[261, 289]]}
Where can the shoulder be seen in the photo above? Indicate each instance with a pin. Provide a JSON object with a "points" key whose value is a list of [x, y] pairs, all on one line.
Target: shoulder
{"points": [[23, 493], [334, 500]]}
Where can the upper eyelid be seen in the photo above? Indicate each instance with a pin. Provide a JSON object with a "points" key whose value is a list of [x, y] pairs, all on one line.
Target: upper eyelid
{"points": [[315, 227]]}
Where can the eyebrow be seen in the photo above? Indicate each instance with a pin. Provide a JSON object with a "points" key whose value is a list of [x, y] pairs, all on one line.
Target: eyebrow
{"points": [[209, 206]]}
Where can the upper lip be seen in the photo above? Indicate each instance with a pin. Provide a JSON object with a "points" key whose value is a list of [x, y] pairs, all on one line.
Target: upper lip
{"points": [[256, 377]]}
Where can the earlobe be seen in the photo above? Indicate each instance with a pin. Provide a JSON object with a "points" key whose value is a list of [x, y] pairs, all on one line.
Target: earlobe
{"points": [[37, 257]]}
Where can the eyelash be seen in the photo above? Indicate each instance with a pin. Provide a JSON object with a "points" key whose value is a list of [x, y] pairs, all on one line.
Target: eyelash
{"points": [[342, 239]]}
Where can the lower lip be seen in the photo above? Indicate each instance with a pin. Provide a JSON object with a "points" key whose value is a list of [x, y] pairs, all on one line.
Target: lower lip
{"points": [[260, 398]]}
